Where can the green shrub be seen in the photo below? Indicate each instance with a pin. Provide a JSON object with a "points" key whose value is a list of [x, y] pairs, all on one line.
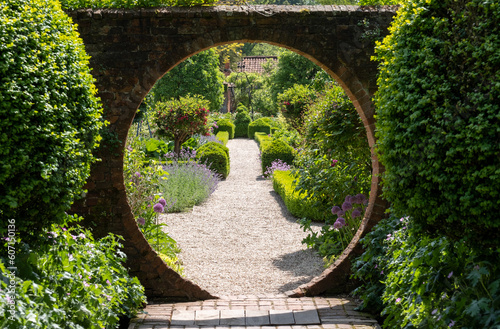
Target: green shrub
{"points": [[421, 282], [294, 102], [223, 136], [241, 122], [76, 4], [50, 117], [216, 156], [260, 125], [70, 281], [263, 140], [277, 149], [295, 201], [225, 125], [439, 117]]}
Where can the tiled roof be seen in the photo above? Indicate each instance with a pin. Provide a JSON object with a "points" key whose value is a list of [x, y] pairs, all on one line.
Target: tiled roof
{"points": [[253, 64]]}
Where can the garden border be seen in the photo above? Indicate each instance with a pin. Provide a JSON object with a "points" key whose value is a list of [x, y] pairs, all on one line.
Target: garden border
{"points": [[132, 48]]}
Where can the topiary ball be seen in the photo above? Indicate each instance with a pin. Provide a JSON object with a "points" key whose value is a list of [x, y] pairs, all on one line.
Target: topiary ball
{"points": [[216, 156]]}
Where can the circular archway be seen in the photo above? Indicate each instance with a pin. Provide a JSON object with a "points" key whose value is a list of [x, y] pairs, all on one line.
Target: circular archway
{"points": [[131, 49]]}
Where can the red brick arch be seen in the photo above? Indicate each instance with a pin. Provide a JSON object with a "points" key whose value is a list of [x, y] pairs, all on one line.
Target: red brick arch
{"points": [[131, 49]]}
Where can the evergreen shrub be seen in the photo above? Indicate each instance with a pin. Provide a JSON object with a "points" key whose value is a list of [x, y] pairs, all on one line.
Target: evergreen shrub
{"points": [[50, 118], [260, 125], [216, 156], [277, 149], [223, 136], [263, 140], [225, 125], [295, 201], [439, 117], [241, 122]]}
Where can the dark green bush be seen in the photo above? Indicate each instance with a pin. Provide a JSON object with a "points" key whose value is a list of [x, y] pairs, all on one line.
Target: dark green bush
{"points": [[241, 122], [439, 117], [260, 125], [223, 136], [263, 140], [71, 281], [277, 149], [225, 125], [421, 282], [216, 156], [50, 117]]}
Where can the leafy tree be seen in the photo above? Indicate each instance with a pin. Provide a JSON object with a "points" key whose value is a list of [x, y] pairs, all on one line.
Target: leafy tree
{"points": [[197, 75], [293, 102], [439, 117], [50, 117], [180, 119]]}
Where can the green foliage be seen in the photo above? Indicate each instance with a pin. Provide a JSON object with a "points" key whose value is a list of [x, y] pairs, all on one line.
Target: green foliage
{"points": [[143, 177], [223, 136], [424, 282], [156, 148], [294, 102], [260, 125], [263, 140], [179, 119], [439, 117], [76, 4], [241, 122], [225, 125], [50, 117], [335, 160], [70, 281], [275, 150], [197, 75], [292, 69], [295, 201], [216, 156]]}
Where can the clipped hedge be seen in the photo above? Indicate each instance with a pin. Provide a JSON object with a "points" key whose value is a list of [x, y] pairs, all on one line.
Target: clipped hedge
{"points": [[277, 149], [216, 156], [50, 117], [223, 136], [439, 117], [260, 125], [263, 140], [241, 122], [295, 202], [225, 125]]}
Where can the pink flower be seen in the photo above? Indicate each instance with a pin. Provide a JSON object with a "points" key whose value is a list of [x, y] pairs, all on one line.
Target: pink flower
{"points": [[334, 163]]}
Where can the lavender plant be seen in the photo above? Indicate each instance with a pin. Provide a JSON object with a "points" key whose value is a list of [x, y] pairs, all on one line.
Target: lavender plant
{"points": [[187, 182], [276, 165]]}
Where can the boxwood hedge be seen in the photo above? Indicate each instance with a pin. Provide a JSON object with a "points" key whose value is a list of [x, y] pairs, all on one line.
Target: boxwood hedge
{"points": [[275, 150], [225, 125], [49, 114], [216, 156], [439, 117], [260, 125]]}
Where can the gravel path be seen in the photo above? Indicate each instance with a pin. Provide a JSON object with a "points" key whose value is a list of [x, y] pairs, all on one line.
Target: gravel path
{"points": [[242, 240]]}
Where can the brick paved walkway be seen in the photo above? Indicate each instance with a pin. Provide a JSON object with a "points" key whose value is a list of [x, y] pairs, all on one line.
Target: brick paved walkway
{"points": [[264, 312]]}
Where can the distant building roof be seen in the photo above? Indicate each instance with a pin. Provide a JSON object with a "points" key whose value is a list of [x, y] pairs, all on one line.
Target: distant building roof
{"points": [[253, 64]]}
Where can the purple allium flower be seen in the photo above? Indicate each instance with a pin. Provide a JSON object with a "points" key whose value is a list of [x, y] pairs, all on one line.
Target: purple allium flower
{"points": [[137, 174], [348, 198], [158, 207], [163, 202], [398, 300], [337, 224], [360, 198], [341, 221], [346, 206], [141, 221], [336, 210], [341, 213], [356, 213], [450, 275]]}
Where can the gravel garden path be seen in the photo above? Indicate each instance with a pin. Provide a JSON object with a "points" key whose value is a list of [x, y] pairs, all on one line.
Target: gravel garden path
{"points": [[242, 240]]}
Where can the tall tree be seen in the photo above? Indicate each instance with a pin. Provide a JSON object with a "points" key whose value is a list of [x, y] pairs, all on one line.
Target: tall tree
{"points": [[197, 75]]}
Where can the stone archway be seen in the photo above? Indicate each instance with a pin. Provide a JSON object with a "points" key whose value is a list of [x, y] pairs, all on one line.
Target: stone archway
{"points": [[131, 49]]}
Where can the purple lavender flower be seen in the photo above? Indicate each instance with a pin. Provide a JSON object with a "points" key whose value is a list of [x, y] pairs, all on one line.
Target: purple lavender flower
{"points": [[434, 311], [346, 206], [141, 221], [336, 210], [163, 202], [158, 207], [450, 275], [452, 323]]}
